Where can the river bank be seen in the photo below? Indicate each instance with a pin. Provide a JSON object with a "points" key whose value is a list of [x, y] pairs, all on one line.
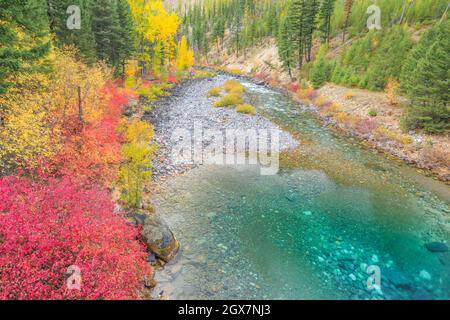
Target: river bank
{"points": [[370, 116], [307, 232], [189, 106]]}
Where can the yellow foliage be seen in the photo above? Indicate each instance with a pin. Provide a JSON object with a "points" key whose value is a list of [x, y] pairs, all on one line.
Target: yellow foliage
{"points": [[403, 139], [185, 57], [156, 29], [37, 107], [215, 92], [390, 90], [320, 101], [232, 86], [229, 100], [305, 94], [138, 153], [72, 74], [246, 108], [334, 108], [234, 71], [349, 95]]}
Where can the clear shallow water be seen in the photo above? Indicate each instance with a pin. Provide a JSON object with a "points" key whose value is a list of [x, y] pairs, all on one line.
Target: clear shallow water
{"points": [[311, 231]]}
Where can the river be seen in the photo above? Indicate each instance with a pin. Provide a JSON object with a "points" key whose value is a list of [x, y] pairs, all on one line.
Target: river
{"points": [[334, 215]]}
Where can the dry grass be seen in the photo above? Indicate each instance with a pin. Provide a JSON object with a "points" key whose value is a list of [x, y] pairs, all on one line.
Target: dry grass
{"points": [[321, 102], [436, 156], [215, 92], [230, 100], [307, 94], [349, 95], [232, 86], [403, 139], [246, 108], [333, 108]]}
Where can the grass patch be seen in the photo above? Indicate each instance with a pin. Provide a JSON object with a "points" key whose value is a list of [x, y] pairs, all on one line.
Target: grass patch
{"points": [[373, 112], [215, 92], [229, 100], [232, 86], [246, 108]]}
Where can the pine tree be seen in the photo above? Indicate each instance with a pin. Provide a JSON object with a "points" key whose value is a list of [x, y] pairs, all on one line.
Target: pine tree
{"points": [[106, 28], [126, 39], [296, 17], [19, 53], [407, 78], [325, 14], [321, 71], [393, 47], [429, 82], [237, 23], [347, 12], [82, 38], [311, 9], [285, 47]]}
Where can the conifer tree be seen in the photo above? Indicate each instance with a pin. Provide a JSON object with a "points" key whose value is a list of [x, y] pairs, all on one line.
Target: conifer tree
{"points": [[428, 82], [296, 17], [19, 53], [311, 9], [285, 46], [126, 39], [106, 28], [82, 38], [325, 14], [347, 12]]}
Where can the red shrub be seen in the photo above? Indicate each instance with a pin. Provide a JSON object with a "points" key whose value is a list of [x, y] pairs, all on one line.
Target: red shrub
{"points": [[262, 76], [172, 79], [293, 87], [93, 151], [44, 229]]}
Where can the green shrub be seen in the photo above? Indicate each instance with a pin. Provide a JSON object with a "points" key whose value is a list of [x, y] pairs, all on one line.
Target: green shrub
{"points": [[373, 112]]}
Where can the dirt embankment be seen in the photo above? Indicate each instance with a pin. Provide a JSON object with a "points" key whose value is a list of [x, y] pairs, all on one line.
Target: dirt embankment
{"points": [[369, 115]]}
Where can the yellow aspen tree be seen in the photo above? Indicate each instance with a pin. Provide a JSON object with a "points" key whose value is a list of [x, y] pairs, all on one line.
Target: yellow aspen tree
{"points": [[185, 57]]}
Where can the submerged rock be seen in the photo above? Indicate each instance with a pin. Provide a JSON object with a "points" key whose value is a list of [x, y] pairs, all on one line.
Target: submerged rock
{"points": [[436, 247], [159, 238]]}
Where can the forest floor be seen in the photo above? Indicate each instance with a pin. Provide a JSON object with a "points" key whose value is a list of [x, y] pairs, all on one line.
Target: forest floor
{"points": [[425, 151]]}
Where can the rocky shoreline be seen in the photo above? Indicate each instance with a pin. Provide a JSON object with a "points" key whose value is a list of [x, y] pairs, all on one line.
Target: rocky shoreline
{"points": [[173, 113], [389, 147], [189, 103]]}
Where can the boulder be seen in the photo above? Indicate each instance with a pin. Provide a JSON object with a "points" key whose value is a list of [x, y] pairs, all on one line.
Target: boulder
{"points": [[437, 247], [159, 238]]}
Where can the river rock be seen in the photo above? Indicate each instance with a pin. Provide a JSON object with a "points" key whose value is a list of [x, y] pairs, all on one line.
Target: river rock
{"points": [[436, 247], [159, 238]]}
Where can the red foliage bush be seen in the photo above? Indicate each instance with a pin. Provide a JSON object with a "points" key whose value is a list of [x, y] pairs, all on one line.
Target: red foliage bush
{"points": [[172, 79], [44, 229], [293, 87], [92, 151], [262, 76]]}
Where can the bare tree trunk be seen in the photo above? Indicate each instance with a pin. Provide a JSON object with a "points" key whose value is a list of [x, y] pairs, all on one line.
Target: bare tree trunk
{"points": [[80, 107]]}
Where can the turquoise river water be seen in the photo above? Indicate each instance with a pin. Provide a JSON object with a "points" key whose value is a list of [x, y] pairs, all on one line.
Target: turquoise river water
{"points": [[316, 230]]}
